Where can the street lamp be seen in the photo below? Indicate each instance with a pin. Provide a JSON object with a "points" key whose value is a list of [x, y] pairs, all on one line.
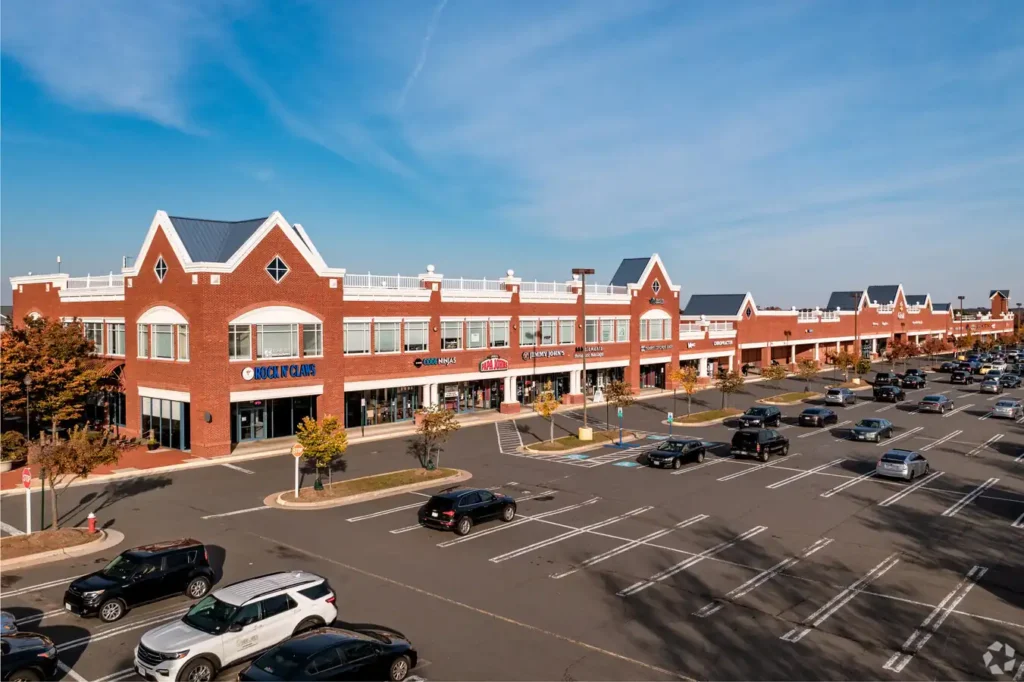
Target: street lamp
{"points": [[961, 314], [28, 388], [856, 296], [583, 272]]}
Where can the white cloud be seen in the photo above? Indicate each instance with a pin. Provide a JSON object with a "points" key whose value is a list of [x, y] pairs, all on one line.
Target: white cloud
{"points": [[424, 50]]}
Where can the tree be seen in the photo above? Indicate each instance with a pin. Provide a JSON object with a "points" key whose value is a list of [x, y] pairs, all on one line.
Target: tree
{"points": [[65, 461], [843, 360], [807, 370], [913, 350], [896, 350], [437, 426], [687, 379], [862, 366], [545, 405], [322, 442], [619, 394], [63, 371], [728, 383], [932, 346], [775, 373]]}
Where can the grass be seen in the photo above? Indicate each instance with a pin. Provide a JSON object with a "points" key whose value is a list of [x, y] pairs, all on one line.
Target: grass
{"points": [[45, 541], [788, 398], [708, 415], [570, 442], [370, 484]]}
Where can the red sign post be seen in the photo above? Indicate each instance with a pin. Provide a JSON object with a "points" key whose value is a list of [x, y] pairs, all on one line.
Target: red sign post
{"points": [[26, 480]]}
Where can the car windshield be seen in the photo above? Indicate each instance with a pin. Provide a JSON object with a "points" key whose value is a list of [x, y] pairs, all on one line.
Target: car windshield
{"points": [[440, 503], [814, 412], [211, 615], [834, 391], [870, 423], [671, 446], [282, 662], [122, 567], [744, 437], [932, 399], [895, 458], [1004, 403], [757, 412]]}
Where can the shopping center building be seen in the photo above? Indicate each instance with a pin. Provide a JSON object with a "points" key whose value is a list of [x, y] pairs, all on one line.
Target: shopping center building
{"points": [[220, 333]]}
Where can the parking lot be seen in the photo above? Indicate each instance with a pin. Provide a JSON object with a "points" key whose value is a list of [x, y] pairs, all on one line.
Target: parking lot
{"points": [[807, 566]]}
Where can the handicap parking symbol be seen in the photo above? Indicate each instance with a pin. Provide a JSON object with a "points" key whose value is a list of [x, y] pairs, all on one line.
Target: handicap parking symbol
{"points": [[626, 464]]}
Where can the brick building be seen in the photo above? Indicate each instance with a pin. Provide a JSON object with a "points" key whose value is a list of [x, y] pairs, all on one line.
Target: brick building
{"points": [[227, 332]]}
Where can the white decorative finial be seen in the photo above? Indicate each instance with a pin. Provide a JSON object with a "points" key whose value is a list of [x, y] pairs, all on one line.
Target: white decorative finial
{"points": [[430, 268], [575, 277], [510, 272]]}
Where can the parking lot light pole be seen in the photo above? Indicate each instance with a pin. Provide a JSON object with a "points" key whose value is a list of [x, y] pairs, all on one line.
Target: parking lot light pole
{"points": [[961, 314], [583, 272], [856, 296]]}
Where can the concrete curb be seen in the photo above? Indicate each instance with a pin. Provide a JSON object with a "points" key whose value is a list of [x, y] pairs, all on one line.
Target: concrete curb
{"points": [[104, 540], [707, 423], [768, 401], [582, 448], [274, 500]]}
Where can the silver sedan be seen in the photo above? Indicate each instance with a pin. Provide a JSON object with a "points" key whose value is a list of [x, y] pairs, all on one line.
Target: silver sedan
{"points": [[905, 464], [1011, 409]]}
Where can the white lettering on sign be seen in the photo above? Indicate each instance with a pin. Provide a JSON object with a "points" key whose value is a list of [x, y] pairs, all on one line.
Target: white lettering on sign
{"points": [[726, 342]]}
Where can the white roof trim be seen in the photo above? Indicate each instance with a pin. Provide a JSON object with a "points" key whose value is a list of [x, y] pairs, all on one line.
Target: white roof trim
{"points": [[180, 396], [655, 258], [655, 314], [161, 314], [58, 280], [276, 314], [271, 393]]}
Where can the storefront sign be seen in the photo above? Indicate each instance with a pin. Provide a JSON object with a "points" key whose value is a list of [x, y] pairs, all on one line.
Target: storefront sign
{"points": [[279, 372], [723, 342], [589, 351], [493, 364], [691, 344], [656, 301], [664, 346], [432, 362], [451, 391], [531, 354]]}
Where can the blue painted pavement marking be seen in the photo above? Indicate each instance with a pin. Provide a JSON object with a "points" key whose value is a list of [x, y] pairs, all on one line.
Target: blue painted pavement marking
{"points": [[626, 464], [577, 456]]}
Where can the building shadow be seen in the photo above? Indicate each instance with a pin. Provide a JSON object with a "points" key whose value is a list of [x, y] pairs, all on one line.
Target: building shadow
{"points": [[112, 493]]}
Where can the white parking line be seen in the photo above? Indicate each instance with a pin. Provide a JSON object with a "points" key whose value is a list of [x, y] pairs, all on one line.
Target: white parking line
{"points": [[603, 556], [823, 428], [1019, 523], [39, 616], [886, 408], [942, 440], [234, 513], [893, 499], [238, 468], [840, 600], [760, 579], [390, 510], [903, 435], [804, 474], [417, 525], [848, 484], [40, 586], [899, 660], [120, 630], [565, 536], [518, 522], [958, 409], [638, 587], [70, 673], [856, 404], [955, 508], [984, 445], [757, 468], [122, 674], [705, 464], [11, 530]]}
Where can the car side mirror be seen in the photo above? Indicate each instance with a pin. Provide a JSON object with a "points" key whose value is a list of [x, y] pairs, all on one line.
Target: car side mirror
{"points": [[235, 627]]}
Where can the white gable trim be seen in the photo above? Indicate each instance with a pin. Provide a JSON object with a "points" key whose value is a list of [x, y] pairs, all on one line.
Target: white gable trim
{"points": [[161, 314], [998, 293], [655, 259], [276, 314]]}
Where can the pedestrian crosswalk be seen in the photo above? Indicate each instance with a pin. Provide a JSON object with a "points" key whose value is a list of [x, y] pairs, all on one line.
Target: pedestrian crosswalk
{"points": [[509, 438]]}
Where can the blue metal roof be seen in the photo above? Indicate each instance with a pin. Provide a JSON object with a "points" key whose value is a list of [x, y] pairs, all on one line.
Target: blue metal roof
{"points": [[1005, 293], [714, 305], [916, 299], [214, 241], [629, 272], [940, 307], [883, 295], [847, 300]]}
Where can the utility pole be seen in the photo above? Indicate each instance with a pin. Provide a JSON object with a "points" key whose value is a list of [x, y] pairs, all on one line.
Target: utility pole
{"points": [[583, 272], [961, 315], [856, 296]]}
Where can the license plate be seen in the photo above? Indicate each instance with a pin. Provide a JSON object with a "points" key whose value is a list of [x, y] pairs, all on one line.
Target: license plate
{"points": [[67, 606], [434, 514], [861, 436]]}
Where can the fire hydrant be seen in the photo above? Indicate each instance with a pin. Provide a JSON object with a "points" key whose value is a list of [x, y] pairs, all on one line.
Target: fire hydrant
{"points": [[92, 522]]}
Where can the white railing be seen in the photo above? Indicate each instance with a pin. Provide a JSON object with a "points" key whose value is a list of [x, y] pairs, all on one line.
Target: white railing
{"points": [[720, 326], [606, 289], [368, 281], [913, 309], [690, 328], [462, 284], [887, 308], [807, 316], [830, 316], [536, 287], [97, 282]]}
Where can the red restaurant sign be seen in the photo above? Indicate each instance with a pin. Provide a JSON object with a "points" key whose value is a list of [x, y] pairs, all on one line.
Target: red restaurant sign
{"points": [[493, 364]]}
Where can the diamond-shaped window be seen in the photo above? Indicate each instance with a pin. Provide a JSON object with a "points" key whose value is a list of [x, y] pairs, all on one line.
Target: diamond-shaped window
{"points": [[160, 268], [656, 286], [277, 269]]}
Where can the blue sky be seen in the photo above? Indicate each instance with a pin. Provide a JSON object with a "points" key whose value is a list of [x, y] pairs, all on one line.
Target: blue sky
{"points": [[784, 148]]}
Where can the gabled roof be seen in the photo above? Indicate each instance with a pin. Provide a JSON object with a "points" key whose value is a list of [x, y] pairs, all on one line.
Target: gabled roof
{"points": [[714, 305], [214, 241], [845, 300], [1005, 293], [630, 271], [917, 299], [883, 295], [941, 307]]}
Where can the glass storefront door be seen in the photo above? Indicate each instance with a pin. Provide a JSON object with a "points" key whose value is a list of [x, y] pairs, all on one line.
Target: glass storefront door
{"points": [[652, 376], [467, 396], [252, 422]]}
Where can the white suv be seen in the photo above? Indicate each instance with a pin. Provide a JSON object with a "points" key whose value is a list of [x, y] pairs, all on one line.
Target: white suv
{"points": [[234, 623]]}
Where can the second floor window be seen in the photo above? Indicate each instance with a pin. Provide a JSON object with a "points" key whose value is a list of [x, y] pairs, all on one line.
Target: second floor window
{"points": [[115, 338], [499, 334], [416, 336], [653, 330], [547, 332], [527, 332], [357, 338], [94, 332], [476, 335], [143, 341], [607, 330], [591, 331], [183, 342], [163, 341], [567, 331], [239, 342], [451, 335], [312, 340], [277, 341], [386, 337], [621, 331]]}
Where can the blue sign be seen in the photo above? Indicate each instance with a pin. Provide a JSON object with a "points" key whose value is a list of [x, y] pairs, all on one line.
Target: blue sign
{"points": [[279, 372]]}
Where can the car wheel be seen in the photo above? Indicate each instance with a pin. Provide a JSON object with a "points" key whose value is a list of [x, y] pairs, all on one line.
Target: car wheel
{"points": [[763, 455], [927, 467], [307, 625], [399, 669], [785, 449], [27, 675], [199, 670], [197, 587], [700, 456], [911, 477], [111, 610], [508, 512], [463, 526], [676, 462]]}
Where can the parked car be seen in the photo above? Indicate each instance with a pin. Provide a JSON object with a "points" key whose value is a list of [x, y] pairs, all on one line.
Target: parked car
{"points": [[985, 369], [27, 656], [818, 416], [233, 623], [905, 464], [994, 374], [139, 576], [948, 367], [999, 364], [935, 403], [759, 443], [915, 372], [1010, 380], [840, 396], [961, 377], [913, 381], [970, 367], [887, 379], [872, 429], [674, 451], [335, 654], [991, 386], [889, 394], [459, 509], [760, 417], [1010, 408]]}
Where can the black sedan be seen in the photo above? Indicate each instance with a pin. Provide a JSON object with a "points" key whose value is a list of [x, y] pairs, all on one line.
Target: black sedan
{"points": [[28, 656], [459, 509], [948, 367], [757, 417], [872, 429], [1009, 381], [912, 381], [335, 654], [889, 394], [818, 416], [674, 451]]}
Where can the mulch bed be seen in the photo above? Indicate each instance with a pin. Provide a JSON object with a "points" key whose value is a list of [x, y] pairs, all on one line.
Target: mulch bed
{"points": [[23, 545], [369, 484]]}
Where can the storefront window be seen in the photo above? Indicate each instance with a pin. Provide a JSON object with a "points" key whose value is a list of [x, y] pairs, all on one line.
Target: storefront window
{"points": [[115, 338], [621, 331], [527, 332], [239, 343], [499, 333], [451, 335], [416, 336], [476, 334], [607, 329], [183, 342], [383, 406], [357, 338], [591, 331], [94, 332], [386, 337], [470, 395], [143, 340], [652, 330], [275, 418], [567, 331], [652, 376], [167, 422], [312, 340], [277, 341], [547, 332], [163, 341]]}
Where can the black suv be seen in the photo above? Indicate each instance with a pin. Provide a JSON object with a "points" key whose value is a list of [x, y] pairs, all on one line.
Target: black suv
{"points": [[761, 416], [140, 575], [890, 394], [759, 443], [961, 377], [459, 508], [887, 379], [28, 656]]}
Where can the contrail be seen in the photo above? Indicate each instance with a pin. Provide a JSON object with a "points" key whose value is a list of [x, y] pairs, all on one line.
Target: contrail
{"points": [[423, 53]]}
